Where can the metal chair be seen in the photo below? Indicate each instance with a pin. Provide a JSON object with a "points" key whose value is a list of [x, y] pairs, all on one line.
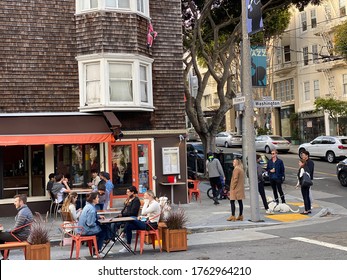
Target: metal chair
{"points": [[194, 191], [12, 232], [77, 239], [55, 206]]}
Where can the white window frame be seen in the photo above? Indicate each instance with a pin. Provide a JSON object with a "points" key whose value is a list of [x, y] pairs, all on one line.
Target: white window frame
{"points": [[135, 6], [344, 84], [136, 104], [316, 91], [303, 20], [306, 94]]}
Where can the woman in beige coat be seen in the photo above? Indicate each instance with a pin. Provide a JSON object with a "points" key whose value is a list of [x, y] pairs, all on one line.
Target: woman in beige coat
{"points": [[237, 190]]}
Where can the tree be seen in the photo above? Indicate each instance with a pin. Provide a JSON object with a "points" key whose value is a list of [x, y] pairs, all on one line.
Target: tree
{"points": [[211, 39], [335, 108], [340, 35]]}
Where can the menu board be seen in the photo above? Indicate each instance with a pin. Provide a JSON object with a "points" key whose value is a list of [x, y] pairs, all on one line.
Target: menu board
{"points": [[171, 162]]}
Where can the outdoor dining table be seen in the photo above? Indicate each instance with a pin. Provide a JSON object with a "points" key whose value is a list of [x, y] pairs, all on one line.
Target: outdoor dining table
{"points": [[111, 211], [116, 235], [80, 192]]}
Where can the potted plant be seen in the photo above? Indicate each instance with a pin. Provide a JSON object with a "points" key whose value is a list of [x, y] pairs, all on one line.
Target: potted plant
{"points": [[40, 247], [174, 235]]}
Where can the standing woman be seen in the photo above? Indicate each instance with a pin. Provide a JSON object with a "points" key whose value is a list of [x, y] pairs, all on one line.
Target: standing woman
{"points": [[69, 205], [305, 190], [237, 190]]}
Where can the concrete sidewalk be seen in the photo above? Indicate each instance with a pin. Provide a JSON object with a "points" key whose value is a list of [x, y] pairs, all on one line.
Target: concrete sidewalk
{"points": [[206, 221]]}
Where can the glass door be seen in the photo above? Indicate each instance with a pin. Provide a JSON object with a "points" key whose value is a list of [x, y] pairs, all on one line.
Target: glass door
{"points": [[131, 166]]}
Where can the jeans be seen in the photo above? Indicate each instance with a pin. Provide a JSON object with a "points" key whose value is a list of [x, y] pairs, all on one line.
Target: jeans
{"points": [[216, 185], [276, 186], [305, 191], [261, 191], [133, 225]]}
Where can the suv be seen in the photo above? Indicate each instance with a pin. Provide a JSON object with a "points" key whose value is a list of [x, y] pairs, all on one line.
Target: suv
{"points": [[341, 172], [327, 147], [196, 155]]}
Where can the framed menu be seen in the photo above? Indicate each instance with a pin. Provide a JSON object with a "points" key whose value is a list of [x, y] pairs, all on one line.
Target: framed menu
{"points": [[171, 162]]}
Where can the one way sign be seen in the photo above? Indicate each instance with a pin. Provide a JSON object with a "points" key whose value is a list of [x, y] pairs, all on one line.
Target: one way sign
{"points": [[267, 103]]}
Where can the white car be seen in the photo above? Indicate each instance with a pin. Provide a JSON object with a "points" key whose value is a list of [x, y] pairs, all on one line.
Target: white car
{"points": [[327, 147], [227, 139], [268, 143]]}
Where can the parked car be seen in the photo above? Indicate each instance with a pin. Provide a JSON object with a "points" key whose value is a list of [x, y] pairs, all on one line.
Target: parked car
{"points": [[227, 139], [192, 135], [268, 143], [341, 172], [196, 155], [329, 148]]}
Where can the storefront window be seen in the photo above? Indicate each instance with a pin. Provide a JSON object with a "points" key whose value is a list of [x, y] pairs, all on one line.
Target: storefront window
{"points": [[122, 172], [76, 162], [22, 171]]}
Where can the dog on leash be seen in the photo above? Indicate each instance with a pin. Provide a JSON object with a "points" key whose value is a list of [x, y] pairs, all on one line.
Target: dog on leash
{"points": [[165, 206], [280, 207]]}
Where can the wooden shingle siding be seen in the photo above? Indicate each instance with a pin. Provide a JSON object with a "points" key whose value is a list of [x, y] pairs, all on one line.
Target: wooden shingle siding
{"points": [[167, 52], [38, 70]]}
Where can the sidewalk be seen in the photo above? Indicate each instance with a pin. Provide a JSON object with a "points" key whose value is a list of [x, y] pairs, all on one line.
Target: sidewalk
{"points": [[205, 222]]}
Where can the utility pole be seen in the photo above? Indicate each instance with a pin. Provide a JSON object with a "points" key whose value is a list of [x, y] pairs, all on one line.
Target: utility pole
{"points": [[249, 119]]}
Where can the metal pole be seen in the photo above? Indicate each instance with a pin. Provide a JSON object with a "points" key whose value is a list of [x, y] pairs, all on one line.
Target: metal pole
{"points": [[249, 118]]}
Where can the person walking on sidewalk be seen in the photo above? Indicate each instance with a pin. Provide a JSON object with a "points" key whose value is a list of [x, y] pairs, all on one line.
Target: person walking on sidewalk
{"points": [[310, 166], [215, 172], [261, 189], [237, 190], [275, 169]]}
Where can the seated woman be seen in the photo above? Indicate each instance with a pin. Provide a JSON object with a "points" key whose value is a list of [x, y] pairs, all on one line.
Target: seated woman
{"points": [[69, 205], [150, 212], [89, 221], [131, 207]]}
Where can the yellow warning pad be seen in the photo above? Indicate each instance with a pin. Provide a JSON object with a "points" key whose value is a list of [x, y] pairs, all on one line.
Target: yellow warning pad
{"points": [[298, 204], [288, 217]]}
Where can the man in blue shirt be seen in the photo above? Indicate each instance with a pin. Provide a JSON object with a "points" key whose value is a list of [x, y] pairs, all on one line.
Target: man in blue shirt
{"points": [[109, 186]]}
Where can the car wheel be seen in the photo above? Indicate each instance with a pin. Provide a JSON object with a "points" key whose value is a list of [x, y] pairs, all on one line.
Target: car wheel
{"points": [[330, 157], [267, 150], [226, 145], [343, 178], [301, 151]]}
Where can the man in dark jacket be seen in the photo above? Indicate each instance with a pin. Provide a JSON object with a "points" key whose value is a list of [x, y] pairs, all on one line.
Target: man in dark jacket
{"points": [[275, 169], [24, 217]]}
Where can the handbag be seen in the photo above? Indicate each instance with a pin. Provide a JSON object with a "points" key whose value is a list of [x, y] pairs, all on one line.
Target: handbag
{"points": [[306, 180]]}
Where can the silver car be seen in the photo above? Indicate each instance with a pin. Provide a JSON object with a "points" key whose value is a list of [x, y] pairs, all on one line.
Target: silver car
{"points": [[268, 143], [227, 139]]}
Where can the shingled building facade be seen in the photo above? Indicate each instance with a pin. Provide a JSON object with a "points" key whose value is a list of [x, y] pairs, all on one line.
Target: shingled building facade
{"points": [[85, 85]]}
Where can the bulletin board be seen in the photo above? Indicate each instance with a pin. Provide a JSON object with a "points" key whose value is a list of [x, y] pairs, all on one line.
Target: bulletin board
{"points": [[171, 160]]}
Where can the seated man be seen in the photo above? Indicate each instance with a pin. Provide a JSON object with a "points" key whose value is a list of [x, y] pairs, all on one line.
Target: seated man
{"points": [[24, 217]]}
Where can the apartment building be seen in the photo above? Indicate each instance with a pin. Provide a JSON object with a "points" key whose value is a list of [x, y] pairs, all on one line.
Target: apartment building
{"points": [[303, 66], [90, 84]]}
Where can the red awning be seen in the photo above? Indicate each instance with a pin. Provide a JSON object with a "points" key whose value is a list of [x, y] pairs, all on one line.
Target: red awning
{"points": [[56, 129]]}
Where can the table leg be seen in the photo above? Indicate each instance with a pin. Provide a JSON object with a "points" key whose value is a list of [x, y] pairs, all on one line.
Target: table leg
{"points": [[172, 195]]}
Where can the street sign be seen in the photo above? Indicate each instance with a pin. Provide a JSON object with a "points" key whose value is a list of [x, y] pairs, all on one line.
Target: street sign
{"points": [[239, 100], [267, 103]]}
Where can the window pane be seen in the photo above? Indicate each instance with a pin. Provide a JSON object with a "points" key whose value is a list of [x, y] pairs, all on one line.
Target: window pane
{"points": [[111, 3], [119, 71], [92, 83], [123, 4], [121, 88], [143, 84]]}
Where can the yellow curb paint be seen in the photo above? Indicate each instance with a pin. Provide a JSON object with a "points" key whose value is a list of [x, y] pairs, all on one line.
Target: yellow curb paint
{"points": [[301, 204], [288, 217]]}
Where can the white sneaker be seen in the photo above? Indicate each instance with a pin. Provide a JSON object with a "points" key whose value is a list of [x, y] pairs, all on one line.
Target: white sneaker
{"points": [[123, 250], [269, 212], [101, 255]]}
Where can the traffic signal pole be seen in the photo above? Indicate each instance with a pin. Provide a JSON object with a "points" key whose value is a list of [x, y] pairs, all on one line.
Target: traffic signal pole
{"points": [[249, 152]]}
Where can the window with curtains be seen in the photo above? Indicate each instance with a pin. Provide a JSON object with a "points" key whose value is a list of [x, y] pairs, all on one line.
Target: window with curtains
{"points": [[116, 82], [316, 91], [136, 6], [313, 19]]}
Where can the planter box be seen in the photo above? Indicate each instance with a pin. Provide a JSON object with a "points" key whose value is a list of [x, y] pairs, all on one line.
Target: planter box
{"points": [[174, 239], [39, 252]]}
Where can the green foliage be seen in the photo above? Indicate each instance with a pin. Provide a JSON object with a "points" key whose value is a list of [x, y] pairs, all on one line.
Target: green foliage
{"points": [[340, 35], [334, 107], [176, 219], [263, 131]]}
